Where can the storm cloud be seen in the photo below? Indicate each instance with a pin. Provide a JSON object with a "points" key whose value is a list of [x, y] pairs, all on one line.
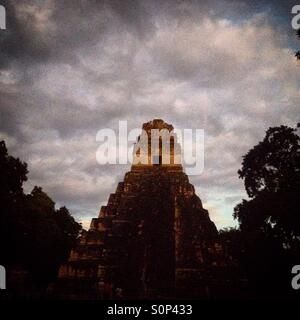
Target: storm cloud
{"points": [[71, 68]]}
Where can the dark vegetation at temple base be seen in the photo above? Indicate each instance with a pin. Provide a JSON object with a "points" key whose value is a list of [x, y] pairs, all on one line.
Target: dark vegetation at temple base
{"points": [[252, 261], [35, 238]]}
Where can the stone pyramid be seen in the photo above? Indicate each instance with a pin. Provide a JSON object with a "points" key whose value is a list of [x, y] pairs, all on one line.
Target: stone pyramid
{"points": [[153, 239]]}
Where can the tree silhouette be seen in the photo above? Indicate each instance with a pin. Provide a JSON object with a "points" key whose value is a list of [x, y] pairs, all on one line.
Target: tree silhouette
{"points": [[271, 173], [34, 236], [270, 220], [13, 173]]}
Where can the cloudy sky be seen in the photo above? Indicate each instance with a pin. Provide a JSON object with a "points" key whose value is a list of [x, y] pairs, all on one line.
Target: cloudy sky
{"points": [[71, 68]]}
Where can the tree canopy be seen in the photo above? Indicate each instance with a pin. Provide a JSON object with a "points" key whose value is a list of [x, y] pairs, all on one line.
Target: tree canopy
{"points": [[271, 173], [267, 243], [34, 236]]}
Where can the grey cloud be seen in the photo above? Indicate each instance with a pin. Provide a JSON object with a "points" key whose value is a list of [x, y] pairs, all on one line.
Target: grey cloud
{"points": [[232, 199], [43, 30], [79, 66]]}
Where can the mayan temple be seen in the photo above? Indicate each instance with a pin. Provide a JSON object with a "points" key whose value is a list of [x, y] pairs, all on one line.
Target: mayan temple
{"points": [[153, 239]]}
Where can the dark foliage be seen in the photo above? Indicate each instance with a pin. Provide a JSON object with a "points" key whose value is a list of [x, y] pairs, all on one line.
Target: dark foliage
{"points": [[267, 244], [271, 172], [35, 238]]}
